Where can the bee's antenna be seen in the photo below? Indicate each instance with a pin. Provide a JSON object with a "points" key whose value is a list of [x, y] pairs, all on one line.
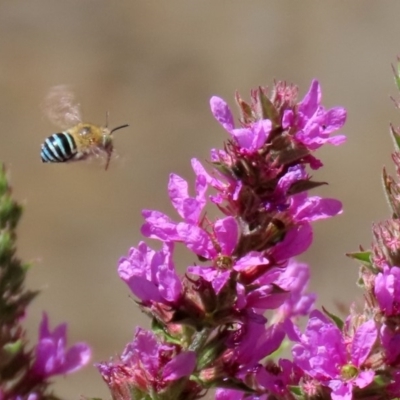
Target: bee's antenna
{"points": [[107, 115], [110, 147], [118, 127]]}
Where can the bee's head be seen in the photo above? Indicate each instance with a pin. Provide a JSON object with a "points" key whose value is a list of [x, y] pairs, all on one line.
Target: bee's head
{"points": [[108, 142]]}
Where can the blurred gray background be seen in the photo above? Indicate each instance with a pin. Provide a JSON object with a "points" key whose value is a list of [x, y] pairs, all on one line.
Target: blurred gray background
{"points": [[155, 64]]}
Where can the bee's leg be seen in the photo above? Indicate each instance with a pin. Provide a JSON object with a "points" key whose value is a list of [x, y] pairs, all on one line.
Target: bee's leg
{"points": [[109, 153]]}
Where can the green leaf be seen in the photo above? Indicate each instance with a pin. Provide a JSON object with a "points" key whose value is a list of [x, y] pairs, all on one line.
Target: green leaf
{"points": [[7, 248], [160, 330], [338, 321], [395, 136], [304, 185], [246, 113], [10, 212], [3, 181], [14, 348], [296, 390], [285, 345], [267, 109], [231, 383], [380, 381], [360, 282], [362, 256], [210, 352], [396, 73], [223, 169], [390, 191], [289, 155]]}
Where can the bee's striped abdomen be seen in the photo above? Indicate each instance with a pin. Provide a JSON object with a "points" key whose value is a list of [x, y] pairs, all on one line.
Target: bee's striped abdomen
{"points": [[59, 147]]}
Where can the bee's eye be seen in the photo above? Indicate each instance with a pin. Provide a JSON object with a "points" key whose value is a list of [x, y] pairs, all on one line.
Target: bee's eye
{"points": [[85, 131]]}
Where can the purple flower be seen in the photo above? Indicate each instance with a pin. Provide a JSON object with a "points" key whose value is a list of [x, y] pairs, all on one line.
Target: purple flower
{"points": [[147, 365], [156, 359], [150, 274], [296, 241], [272, 379], [260, 183], [313, 123], [325, 356], [30, 396], [295, 279], [253, 342], [218, 247], [159, 225], [262, 297], [391, 343], [222, 113], [51, 356], [232, 394], [249, 139], [221, 241], [387, 290], [189, 208], [227, 186], [313, 208], [277, 379], [293, 175], [282, 288], [266, 292], [304, 210]]}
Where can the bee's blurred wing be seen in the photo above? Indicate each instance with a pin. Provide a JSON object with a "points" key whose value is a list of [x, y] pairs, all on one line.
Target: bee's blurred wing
{"points": [[61, 108]]}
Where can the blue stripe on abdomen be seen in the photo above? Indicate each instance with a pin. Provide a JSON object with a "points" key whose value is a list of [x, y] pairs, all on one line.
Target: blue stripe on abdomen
{"points": [[59, 147]]}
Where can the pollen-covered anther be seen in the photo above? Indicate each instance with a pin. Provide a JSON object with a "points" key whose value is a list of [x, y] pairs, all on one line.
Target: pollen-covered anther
{"points": [[349, 371], [223, 262]]}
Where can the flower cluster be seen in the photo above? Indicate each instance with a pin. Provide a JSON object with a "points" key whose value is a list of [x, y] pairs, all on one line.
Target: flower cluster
{"points": [[360, 357], [224, 324], [25, 373], [210, 327]]}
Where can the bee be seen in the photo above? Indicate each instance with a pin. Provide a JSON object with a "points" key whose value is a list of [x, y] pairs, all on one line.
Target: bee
{"points": [[79, 140]]}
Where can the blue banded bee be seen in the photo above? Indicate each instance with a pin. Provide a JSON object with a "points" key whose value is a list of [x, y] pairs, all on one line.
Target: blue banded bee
{"points": [[80, 140]]}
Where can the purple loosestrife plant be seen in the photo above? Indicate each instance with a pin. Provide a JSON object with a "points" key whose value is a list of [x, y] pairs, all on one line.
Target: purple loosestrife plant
{"points": [[223, 324], [25, 372], [209, 327]]}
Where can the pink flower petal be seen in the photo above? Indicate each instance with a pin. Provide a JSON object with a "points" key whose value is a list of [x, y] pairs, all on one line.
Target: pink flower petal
{"points": [[196, 239], [77, 356], [181, 365], [158, 226], [337, 140], [178, 192], [226, 232], [363, 340], [296, 241], [311, 100], [364, 378], [334, 119], [315, 208], [222, 113], [219, 282]]}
